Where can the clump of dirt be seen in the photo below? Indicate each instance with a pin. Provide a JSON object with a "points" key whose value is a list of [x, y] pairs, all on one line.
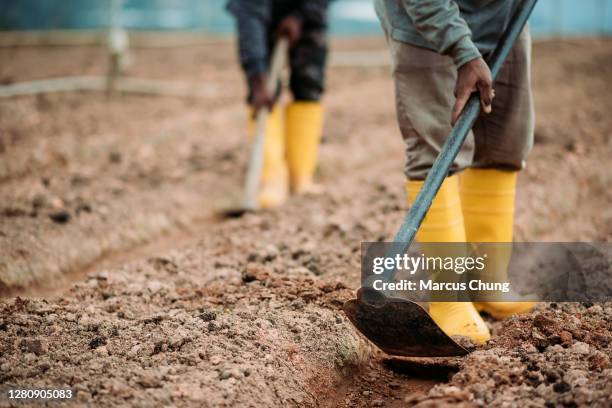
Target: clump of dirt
{"points": [[558, 355]]}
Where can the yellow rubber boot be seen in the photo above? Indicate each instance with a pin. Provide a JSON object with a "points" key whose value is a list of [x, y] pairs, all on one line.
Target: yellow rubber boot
{"points": [[444, 223], [487, 199], [304, 121], [444, 220], [274, 187]]}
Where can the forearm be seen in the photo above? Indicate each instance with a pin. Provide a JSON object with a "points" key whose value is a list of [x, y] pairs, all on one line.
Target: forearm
{"points": [[440, 23], [252, 21], [253, 48]]}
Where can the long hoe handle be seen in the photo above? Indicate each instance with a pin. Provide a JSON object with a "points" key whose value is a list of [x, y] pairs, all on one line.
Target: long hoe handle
{"points": [[255, 165], [450, 149]]}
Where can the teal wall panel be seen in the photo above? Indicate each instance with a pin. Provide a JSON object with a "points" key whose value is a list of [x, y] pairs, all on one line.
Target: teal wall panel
{"points": [[349, 17]]}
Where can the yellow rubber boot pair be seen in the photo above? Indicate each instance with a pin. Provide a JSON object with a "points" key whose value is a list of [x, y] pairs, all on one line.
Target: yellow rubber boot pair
{"points": [[444, 223], [290, 152], [487, 200]]}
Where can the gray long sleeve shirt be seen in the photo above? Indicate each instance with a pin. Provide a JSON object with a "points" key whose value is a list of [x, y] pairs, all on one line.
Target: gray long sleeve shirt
{"points": [[462, 29], [256, 19]]}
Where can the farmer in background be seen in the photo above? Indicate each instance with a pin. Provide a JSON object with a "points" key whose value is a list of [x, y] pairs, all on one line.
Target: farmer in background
{"points": [[437, 49], [293, 136]]}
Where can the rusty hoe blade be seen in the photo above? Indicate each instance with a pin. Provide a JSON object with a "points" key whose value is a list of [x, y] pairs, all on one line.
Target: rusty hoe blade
{"points": [[399, 327], [234, 212]]}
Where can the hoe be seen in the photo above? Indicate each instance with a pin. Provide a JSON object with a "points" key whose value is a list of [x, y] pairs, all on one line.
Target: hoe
{"points": [[402, 327], [253, 172]]}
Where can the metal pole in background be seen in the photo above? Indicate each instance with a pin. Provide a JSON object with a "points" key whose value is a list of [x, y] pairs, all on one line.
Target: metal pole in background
{"points": [[117, 45]]}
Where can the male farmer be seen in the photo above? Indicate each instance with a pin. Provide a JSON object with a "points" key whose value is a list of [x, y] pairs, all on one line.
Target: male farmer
{"points": [[437, 49], [291, 142]]}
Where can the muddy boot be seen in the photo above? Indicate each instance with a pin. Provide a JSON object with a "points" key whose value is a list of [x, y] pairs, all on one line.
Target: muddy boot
{"points": [[274, 187], [304, 129], [487, 199], [444, 223]]}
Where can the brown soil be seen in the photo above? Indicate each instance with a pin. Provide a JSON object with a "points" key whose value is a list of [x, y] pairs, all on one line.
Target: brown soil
{"points": [[174, 306]]}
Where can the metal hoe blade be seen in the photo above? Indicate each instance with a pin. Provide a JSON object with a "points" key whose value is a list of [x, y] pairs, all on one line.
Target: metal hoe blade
{"points": [[399, 327], [234, 212]]}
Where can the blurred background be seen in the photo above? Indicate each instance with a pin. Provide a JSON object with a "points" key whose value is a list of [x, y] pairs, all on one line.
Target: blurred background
{"points": [[349, 17], [118, 25], [123, 123]]}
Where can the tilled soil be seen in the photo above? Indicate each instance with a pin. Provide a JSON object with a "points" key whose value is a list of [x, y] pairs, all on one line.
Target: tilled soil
{"points": [[247, 311]]}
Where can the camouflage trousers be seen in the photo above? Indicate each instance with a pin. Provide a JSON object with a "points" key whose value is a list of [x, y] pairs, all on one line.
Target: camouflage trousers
{"points": [[307, 60]]}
